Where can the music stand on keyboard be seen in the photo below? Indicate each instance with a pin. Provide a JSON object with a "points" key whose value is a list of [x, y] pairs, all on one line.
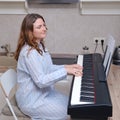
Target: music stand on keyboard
{"points": [[107, 59]]}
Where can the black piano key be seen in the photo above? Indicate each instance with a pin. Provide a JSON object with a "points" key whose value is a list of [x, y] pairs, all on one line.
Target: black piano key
{"points": [[87, 60], [88, 81], [84, 93], [87, 89], [87, 75], [87, 84], [89, 63], [87, 71], [86, 99], [87, 66], [87, 78], [87, 56]]}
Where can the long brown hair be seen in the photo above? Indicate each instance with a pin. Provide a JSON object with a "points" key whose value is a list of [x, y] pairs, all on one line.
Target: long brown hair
{"points": [[26, 34]]}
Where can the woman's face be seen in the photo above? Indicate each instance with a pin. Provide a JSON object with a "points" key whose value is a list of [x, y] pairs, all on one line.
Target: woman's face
{"points": [[39, 29]]}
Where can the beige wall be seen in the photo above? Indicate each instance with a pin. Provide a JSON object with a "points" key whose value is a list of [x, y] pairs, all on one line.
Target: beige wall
{"points": [[68, 31]]}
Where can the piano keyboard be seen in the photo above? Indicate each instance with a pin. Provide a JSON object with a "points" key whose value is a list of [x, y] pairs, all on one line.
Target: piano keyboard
{"points": [[83, 87]]}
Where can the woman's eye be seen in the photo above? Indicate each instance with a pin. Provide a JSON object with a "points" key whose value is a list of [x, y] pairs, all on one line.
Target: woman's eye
{"points": [[39, 27]]}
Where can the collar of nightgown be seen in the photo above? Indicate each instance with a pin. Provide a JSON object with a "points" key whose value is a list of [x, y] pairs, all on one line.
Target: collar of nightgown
{"points": [[41, 47]]}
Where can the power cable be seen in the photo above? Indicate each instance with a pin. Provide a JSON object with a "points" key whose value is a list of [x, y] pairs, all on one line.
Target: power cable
{"points": [[102, 45], [96, 41]]}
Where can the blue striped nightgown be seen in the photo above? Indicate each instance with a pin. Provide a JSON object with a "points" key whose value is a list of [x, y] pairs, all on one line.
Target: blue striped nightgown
{"points": [[36, 96]]}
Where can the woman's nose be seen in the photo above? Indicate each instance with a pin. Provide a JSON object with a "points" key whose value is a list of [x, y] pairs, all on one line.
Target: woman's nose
{"points": [[44, 28]]}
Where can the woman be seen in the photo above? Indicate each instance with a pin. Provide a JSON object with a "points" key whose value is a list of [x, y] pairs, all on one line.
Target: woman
{"points": [[36, 74]]}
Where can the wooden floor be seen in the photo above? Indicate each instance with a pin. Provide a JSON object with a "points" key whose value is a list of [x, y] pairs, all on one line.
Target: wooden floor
{"points": [[114, 88]]}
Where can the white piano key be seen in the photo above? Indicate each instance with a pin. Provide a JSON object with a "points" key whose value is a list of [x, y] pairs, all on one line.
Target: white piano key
{"points": [[77, 84]]}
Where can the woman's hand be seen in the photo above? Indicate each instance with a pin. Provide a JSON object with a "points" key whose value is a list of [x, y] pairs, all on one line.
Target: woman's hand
{"points": [[74, 69]]}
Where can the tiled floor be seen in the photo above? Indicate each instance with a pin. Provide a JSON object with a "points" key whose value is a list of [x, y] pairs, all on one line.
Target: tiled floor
{"points": [[2, 100], [2, 103]]}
